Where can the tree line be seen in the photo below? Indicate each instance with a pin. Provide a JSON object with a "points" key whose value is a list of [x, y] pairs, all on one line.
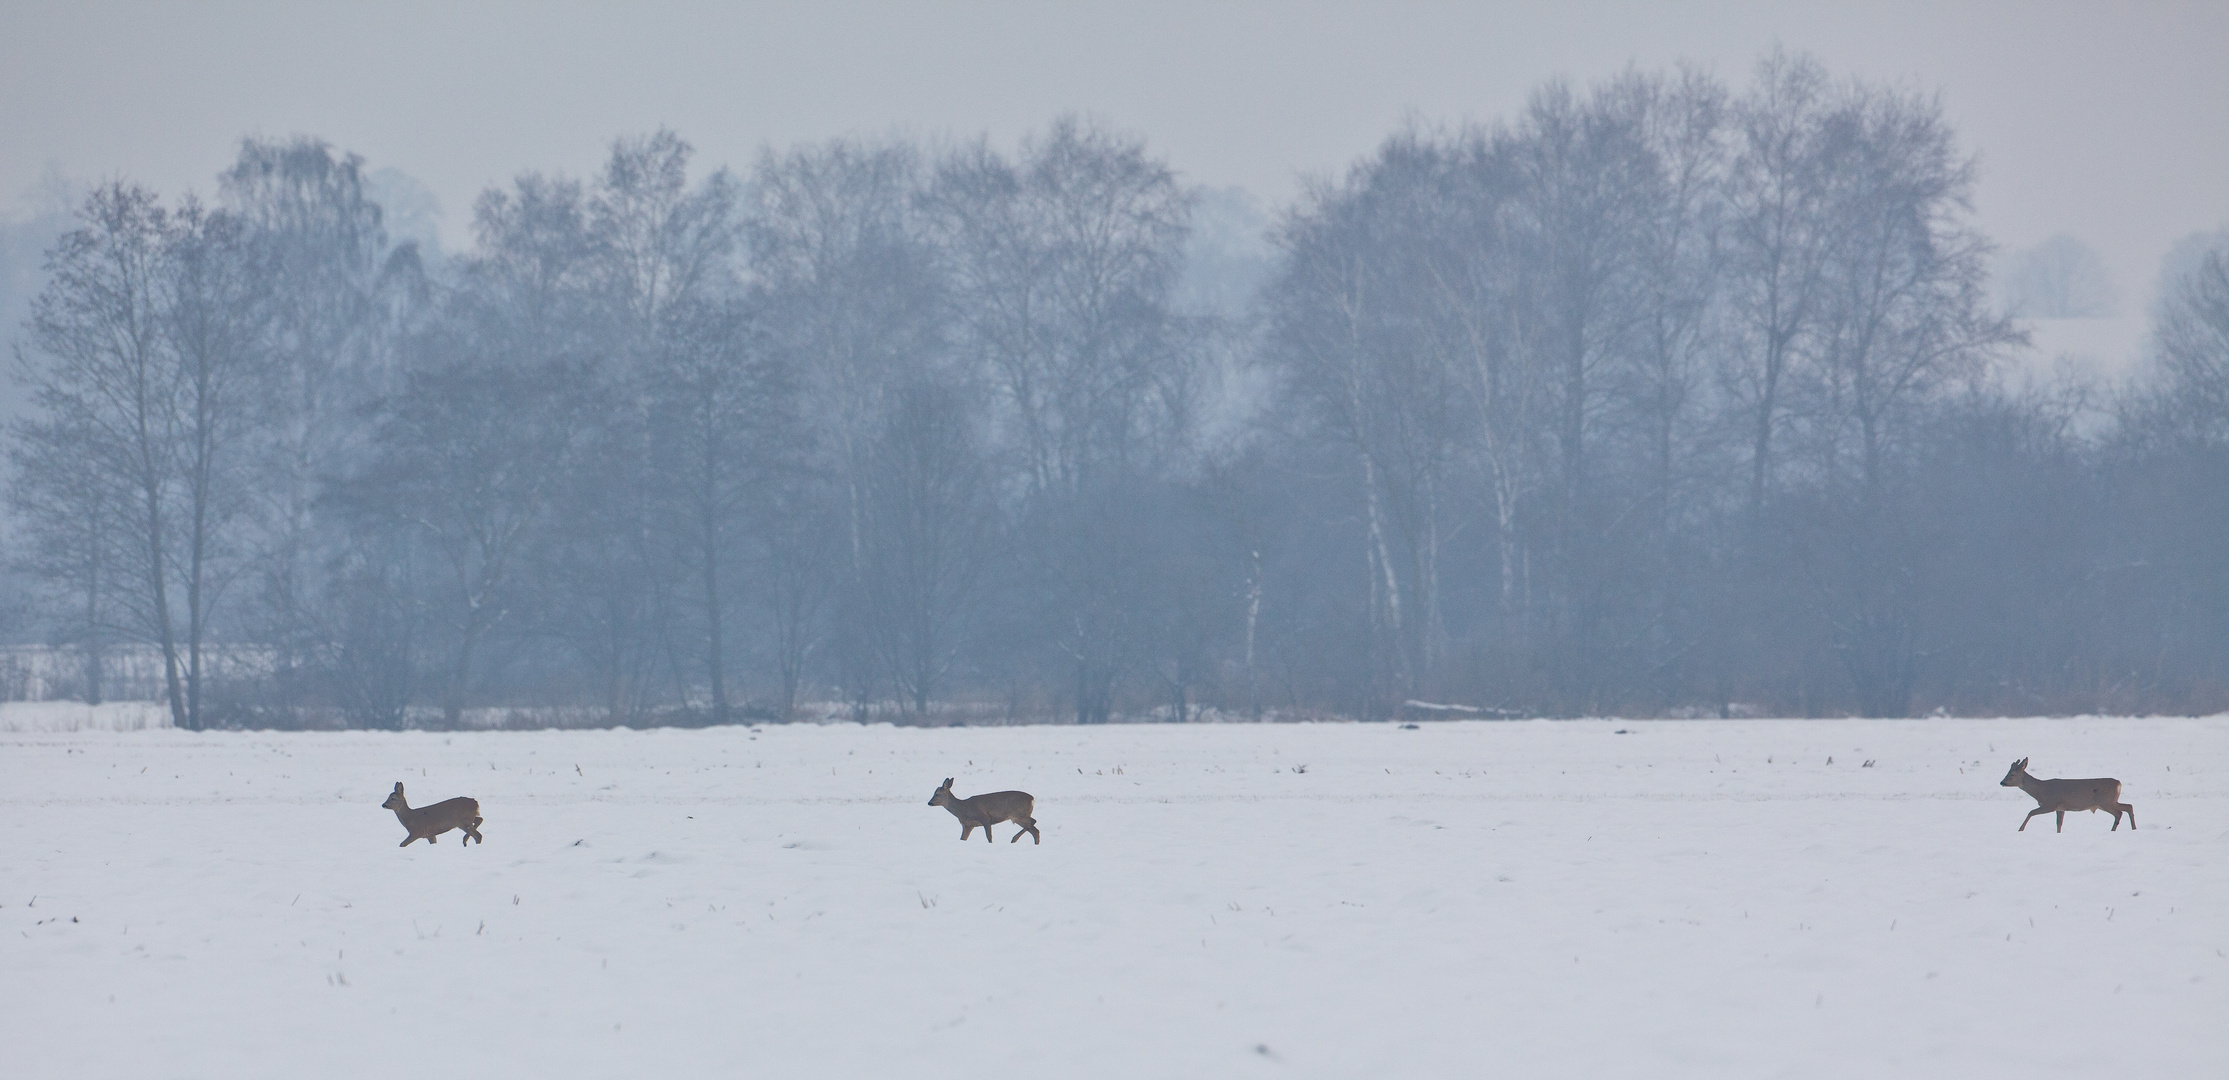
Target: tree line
{"points": [[1660, 396]]}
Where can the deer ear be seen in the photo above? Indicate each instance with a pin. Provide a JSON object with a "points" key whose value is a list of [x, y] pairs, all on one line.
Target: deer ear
{"points": [[398, 785]]}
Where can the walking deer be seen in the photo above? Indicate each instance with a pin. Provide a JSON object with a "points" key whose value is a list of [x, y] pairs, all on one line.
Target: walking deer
{"points": [[430, 822], [988, 810], [2060, 796]]}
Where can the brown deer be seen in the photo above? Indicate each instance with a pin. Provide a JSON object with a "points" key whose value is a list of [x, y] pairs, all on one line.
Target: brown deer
{"points": [[430, 822], [2060, 796], [988, 810]]}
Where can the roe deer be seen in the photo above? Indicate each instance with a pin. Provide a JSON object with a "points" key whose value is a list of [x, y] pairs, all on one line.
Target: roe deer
{"points": [[430, 822], [989, 810], [2060, 796]]}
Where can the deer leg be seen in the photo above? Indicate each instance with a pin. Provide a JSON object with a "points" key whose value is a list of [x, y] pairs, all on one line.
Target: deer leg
{"points": [[2024, 821], [986, 832], [406, 843], [967, 830], [2062, 821], [1031, 825], [2131, 817]]}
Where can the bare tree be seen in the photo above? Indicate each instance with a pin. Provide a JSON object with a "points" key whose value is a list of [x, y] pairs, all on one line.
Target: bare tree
{"points": [[379, 631], [1063, 263], [2190, 346], [1062, 266], [338, 296], [2060, 278], [931, 521], [798, 576], [1778, 235], [99, 325], [71, 519], [1586, 173], [216, 326], [634, 562], [148, 334], [469, 456], [472, 451], [719, 444], [1652, 395], [1903, 317], [1679, 244], [851, 306], [1379, 328], [662, 243]]}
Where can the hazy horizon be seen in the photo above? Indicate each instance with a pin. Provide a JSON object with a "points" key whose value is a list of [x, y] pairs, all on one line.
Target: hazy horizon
{"points": [[2103, 124]]}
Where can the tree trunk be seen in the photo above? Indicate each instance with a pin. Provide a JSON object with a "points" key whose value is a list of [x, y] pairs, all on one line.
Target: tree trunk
{"points": [[716, 658], [95, 647], [194, 619], [1253, 617], [460, 676], [166, 637], [1381, 566], [1760, 458]]}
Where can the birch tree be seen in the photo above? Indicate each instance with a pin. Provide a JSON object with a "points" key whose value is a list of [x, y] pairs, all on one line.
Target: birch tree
{"points": [[1363, 322]]}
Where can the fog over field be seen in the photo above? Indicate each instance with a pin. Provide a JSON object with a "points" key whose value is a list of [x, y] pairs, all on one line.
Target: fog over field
{"points": [[1288, 362]]}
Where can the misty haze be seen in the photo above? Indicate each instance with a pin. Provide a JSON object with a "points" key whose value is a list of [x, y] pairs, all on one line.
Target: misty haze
{"points": [[1247, 525], [1662, 397]]}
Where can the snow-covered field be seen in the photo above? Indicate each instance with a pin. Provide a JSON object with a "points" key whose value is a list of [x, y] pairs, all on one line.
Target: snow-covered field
{"points": [[1688, 899], [49, 717]]}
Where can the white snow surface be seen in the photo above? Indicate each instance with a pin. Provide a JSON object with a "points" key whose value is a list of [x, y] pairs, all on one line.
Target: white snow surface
{"points": [[51, 717], [1533, 899]]}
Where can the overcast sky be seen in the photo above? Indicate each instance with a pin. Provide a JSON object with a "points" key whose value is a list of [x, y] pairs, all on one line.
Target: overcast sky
{"points": [[2107, 120]]}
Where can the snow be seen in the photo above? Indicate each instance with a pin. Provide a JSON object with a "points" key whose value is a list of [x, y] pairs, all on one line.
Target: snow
{"points": [[19, 717], [1687, 899]]}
